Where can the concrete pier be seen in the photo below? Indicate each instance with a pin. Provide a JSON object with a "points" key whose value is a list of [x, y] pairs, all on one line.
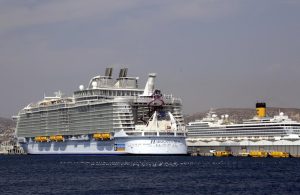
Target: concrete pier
{"points": [[237, 148]]}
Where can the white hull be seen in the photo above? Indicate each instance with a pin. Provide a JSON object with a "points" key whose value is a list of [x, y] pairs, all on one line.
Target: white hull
{"points": [[119, 146], [72, 147], [156, 146]]}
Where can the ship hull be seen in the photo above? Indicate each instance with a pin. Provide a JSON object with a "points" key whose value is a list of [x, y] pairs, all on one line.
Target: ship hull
{"points": [[118, 146], [156, 146], [89, 147]]}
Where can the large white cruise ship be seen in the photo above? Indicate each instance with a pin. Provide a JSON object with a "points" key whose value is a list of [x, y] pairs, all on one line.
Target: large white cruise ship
{"points": [[108, 117], [278, 133]]}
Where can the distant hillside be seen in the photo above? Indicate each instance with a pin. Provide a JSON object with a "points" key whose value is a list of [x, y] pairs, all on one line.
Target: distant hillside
{"points": [[6, 123], [7, 128], [238, 114]]}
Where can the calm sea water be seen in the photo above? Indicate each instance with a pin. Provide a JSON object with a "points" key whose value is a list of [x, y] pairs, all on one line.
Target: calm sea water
{"points": [[147, 175]]}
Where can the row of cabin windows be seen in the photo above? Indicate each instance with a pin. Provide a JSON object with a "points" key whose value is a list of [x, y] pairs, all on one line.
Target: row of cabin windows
{"points": [[110, 93], [243, 129], [231, 133]]}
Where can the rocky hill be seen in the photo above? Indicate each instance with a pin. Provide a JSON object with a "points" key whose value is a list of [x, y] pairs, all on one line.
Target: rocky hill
{"points": [[238, 114], [6, 123], [7, 128]]}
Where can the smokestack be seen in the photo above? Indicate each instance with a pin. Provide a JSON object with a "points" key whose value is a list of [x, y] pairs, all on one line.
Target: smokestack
{"points": [[121, 73], [149, 88], [108, 72], [125, 72], [261, 110]]}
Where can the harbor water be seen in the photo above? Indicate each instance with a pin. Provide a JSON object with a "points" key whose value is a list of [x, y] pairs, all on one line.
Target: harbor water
{"points": [[147, 175]]}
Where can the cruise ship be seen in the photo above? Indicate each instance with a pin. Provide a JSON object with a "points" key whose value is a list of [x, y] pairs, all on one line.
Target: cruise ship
{"points": [[278, 133], [109, 116]]}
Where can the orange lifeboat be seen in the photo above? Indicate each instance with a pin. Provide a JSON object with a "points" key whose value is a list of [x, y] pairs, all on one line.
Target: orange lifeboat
{"points": [[57, 138], [101, 136], [41, 139]]}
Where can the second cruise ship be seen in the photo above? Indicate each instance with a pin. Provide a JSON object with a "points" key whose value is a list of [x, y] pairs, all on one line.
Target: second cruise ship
{"points": [[278, 133]]}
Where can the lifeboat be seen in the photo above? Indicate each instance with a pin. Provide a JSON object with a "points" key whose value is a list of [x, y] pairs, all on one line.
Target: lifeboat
{"points": [[57, 138], [41, 139], [258, 154], [278, 154], [106, 136], [101, 136], [97, 136], [222, 153]]}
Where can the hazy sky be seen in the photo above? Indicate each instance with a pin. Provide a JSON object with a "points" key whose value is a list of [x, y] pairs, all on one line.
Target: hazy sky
{"points": [[210, 53]]}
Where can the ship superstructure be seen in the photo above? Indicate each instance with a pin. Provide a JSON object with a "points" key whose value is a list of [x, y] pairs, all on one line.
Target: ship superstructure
{"points": [[108, 117], [261, 132]]}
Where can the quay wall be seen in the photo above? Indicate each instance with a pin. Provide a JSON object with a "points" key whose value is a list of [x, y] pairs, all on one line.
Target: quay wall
{"points": [[204, 148]]}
